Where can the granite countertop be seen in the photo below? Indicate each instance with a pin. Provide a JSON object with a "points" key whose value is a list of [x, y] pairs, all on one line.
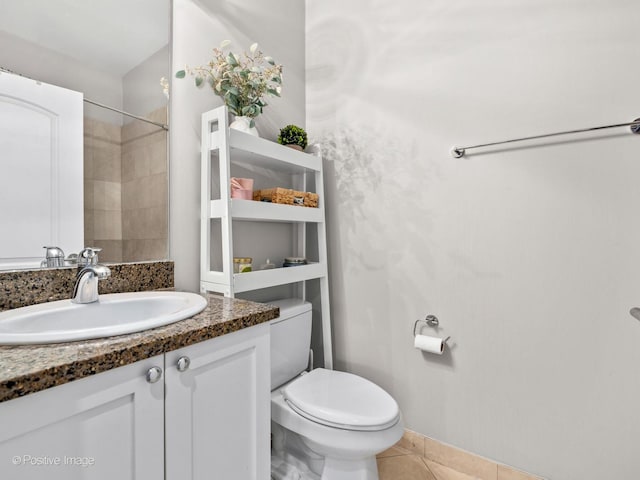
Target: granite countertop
{"points": [[28, 369]]}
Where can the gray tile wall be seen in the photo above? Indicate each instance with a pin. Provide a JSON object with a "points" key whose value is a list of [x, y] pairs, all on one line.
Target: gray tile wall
{"points": [[126, 189], [145, 189]]}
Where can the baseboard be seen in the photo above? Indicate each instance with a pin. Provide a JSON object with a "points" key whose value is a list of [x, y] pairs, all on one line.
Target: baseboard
{"points": [[460, 460]]}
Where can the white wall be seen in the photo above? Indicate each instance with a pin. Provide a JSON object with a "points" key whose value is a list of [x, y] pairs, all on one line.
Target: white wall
{"points": [[198, 27], [529, 255]]}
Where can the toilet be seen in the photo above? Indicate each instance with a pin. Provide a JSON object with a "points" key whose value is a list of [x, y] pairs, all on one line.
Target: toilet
{"points": [[325, 424]]}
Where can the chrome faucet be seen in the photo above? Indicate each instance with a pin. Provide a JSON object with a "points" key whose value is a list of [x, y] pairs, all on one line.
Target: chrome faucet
{"points": [[86, 287], [88, 256], [53, 258]]}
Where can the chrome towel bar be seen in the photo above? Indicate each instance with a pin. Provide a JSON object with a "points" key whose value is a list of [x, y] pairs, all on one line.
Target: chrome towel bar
{"points": [[458, 152]]}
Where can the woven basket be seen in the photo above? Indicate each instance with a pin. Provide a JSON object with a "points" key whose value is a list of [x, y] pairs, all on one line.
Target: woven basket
{"points": [[286, 196]]}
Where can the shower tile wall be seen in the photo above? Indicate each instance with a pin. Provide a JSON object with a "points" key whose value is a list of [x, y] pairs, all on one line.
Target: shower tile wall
{"points": [[125, 189], [102, 188], [145, 189]]}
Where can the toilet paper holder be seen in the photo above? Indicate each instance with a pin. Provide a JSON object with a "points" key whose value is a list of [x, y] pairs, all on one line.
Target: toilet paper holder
{"points": [[431, 321]]}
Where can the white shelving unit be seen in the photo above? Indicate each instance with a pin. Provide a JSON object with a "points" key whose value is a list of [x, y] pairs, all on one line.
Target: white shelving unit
{"points": [[231, 147]]}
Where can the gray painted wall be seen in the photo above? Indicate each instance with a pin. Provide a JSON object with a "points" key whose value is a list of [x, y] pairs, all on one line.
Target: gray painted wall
{"points": [[48, 66], [528, 255], [141, 88], [198, 27]]}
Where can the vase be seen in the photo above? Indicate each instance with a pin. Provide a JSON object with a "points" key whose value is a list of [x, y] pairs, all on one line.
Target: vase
{"points": [[295, 147], [242, 124]]}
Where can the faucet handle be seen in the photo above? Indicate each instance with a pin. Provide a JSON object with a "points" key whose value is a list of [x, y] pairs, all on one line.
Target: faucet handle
{"points": [[88, 256]]}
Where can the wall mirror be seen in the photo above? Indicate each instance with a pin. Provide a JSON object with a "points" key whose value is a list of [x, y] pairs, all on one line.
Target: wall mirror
{"points": [[114, 53]]}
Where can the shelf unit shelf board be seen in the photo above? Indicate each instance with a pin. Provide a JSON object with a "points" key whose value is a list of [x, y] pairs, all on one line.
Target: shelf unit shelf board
{"points": [[248, 150], [244, 282], [251, 210]]}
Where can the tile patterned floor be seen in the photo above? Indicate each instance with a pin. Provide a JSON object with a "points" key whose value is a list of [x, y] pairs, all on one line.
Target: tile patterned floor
{"points": [[398, 463]]}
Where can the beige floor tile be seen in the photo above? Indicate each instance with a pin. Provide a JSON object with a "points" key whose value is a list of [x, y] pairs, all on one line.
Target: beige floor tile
{"points": [[445, 473], [403, 467], [507, 473], [460, 460]]}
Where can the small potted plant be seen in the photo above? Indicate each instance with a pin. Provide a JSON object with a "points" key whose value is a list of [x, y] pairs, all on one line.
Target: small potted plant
{"points": [[294, 137]]}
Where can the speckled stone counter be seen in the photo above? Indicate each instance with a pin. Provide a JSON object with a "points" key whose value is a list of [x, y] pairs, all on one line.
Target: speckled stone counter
{"points": [[31, 368], [19, 288]]}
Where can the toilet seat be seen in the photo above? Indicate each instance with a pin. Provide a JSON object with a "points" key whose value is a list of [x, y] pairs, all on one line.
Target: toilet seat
{"points": [[341, 400]]}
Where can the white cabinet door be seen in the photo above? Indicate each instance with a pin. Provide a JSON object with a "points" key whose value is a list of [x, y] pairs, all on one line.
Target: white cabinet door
{"points": [[104, 427], [217, 411]]}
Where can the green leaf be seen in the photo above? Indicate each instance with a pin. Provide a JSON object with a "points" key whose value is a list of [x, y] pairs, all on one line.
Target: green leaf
{"points": [[231, 101], [271, 91], [252, 123], [232, 90], [199, 81], [180, 74], [231, 60]]}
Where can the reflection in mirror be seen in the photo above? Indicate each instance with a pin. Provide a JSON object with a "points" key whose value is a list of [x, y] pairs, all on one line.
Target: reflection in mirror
{"points": [[41, 145], [114, 53]]}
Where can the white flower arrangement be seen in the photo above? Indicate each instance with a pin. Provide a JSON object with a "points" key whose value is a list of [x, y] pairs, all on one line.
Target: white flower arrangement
{"points": [[242, 81]]}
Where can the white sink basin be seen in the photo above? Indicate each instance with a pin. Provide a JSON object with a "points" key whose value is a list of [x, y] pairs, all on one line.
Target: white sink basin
{"points": [[113, 314]]}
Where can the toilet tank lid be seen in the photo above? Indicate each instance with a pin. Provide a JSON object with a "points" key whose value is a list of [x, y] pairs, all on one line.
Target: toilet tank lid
{"points": [[290, 307]]}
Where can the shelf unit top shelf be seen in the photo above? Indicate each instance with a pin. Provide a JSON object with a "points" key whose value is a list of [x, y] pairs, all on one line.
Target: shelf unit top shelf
{"points": [[251, 150]]}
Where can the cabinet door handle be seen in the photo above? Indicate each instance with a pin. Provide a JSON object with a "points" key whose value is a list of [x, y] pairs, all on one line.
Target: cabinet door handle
{"points": [[154, 374], [183, 363]]}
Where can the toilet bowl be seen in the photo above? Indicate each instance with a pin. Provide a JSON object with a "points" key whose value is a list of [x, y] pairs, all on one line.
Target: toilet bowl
{"points": [[331, 424]]}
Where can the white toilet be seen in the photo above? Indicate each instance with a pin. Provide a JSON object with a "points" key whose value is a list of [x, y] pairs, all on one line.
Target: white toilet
{"points": [[325, 424]]}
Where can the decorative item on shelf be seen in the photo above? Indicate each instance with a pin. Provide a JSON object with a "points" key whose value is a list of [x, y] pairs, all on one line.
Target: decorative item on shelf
{"points": [[242, 264], [243, 81], [294, 261], [286, 196], [268, 265], [294, 137], [242, 188], [245, 124]]}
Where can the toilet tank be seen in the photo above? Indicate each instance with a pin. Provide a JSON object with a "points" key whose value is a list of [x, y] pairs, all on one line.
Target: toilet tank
{"points": [[290, 340]]}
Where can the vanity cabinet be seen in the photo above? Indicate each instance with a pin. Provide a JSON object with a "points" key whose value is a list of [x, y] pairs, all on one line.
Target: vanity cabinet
{"points": [[105, 426], [218, 408], [200, 412]]}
